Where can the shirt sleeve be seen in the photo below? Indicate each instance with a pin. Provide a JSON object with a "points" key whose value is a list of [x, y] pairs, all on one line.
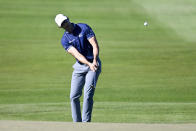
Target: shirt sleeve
{"points": [[65, 43], [89, 32]]}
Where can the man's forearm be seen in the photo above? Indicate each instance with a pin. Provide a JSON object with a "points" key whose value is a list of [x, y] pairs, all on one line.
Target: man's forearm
{"points": [[95, 53], [81, 58], [94, 43], [73, 51]]}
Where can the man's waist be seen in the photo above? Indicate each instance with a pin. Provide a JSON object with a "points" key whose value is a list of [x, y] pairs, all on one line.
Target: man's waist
{"points": [[90, 60]]}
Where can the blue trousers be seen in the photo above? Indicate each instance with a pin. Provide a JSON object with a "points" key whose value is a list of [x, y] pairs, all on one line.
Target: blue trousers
{"points": [[83, 77]]}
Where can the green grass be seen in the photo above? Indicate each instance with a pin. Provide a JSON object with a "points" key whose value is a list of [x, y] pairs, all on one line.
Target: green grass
{"points": [[148, 74], [116, 112]]}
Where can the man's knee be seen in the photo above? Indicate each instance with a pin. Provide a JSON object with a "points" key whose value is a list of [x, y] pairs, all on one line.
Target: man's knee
{"points": [[75, 97]]}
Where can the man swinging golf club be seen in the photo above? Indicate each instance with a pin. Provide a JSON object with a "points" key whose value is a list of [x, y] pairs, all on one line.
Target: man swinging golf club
{"points": [[79, 40]]}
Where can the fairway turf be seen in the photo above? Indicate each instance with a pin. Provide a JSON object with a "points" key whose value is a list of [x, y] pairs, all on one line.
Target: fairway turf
{"points": [[148, 73], [123, 112]]}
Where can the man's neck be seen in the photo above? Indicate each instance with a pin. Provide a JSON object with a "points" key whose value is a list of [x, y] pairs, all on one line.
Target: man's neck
{"points": [[72, 28]]}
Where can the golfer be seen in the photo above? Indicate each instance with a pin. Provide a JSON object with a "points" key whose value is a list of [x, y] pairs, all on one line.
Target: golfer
{"points": [[79, 40]]}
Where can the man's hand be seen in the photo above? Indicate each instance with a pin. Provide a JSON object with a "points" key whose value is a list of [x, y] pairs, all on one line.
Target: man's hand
{"points": [[95, 63], [92, 66]]}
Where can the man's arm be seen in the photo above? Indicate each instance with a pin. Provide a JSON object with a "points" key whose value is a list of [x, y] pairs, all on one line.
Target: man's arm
{"points": [[94, 43], [74, 52]]}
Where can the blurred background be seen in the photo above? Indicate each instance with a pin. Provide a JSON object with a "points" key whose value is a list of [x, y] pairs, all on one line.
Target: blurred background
{"points": [[148, 72]]}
